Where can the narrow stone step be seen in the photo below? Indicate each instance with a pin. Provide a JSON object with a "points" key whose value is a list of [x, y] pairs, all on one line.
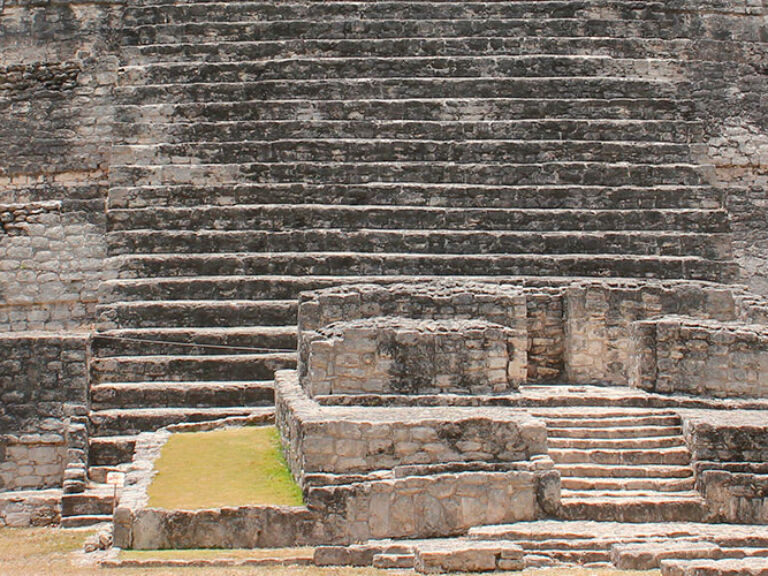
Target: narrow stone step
{"points": [[357, 264], [703, 567], [401, 88], [584, 470], [193, 341], [198, 313], [705, 245], [618, 433], [169, 129], [251, 49], [393, 561], [288, 12], [111, 450], [189, 368], [404, 194], [466, 108], [588, 443], [395, 27], [621, 484], [92, 502], [638, 494], [200, 394], [413, 172], [132, 421], [629, 420], [85, 520], [634, 457], [278, 217], [368, 150], [649, 509]]}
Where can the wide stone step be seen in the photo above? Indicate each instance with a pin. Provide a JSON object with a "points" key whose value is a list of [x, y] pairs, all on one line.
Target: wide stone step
{"points": [[622, 484], [291, 67], [267, 287], [111, 450], [362, 88], [662, 26], [189, 368], [337, 264], [355, 150], [619, 433], [623, 471], [182, 394], [614, 420], [96, 501], [248, 49], [446, 195], [206, 130], [344, 11], [277, 217], [634, 509], [724, 567], [198, 313], [570, 107], [134, 420], [414, 172], [619, 443], [712, 246], [636, 457], [194, 341]]}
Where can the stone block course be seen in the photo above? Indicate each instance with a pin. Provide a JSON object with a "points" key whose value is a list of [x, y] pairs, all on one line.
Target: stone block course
{"points": [[405, 356]]}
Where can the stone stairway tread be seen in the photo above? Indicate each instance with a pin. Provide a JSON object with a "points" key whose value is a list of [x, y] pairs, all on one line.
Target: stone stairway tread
{"points": [[633, 456], [335, 263], [131, 421], [590, 470], [614, 433], [574, 483], [588, 442], [626, 495]]}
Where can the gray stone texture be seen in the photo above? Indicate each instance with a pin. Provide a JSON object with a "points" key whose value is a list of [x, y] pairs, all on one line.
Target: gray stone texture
{"points": [[43, 378], [404, 356], [701, 358]]}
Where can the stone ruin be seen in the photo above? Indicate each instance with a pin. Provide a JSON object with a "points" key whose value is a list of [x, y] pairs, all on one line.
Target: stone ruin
{"points": [[523, 242]]}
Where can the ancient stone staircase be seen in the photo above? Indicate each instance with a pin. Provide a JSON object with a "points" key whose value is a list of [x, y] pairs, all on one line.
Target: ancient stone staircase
{"points": [[265, 148], [623, 465]]}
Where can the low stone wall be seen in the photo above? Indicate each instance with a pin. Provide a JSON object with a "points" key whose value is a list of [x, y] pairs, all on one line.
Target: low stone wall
{"points": [[43, 379], [726, 436], [30, 508], [599, 314], [702, 358], [405, 356], [435, 300], [736, 497], [341, 439], [426, 506]]}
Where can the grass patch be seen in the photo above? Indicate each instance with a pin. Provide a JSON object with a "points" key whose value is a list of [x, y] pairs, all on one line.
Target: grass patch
{"points": [[231, 467]]}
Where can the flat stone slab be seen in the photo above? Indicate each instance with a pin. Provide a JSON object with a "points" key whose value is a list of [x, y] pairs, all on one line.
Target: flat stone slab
{"points": [[728, 567], [467, 556], [649, 555]]}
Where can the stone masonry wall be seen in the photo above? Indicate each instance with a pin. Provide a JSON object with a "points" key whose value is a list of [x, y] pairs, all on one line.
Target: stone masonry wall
{"points": [[341, 439], [598, 316], [57, 71], [42, 376], [680, 355], [405, 356]]}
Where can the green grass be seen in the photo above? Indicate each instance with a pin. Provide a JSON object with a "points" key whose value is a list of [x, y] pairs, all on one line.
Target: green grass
{"points": [[231, 467]]}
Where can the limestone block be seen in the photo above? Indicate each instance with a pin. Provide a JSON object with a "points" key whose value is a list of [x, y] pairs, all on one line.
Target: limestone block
{"points": [[467, 556]]}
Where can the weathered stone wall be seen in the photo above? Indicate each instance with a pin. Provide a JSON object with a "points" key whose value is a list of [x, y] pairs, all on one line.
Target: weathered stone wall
{"points": [[726, 436], [342, 439], [57, 72], [735, 497], [42, 377], [405, 356], [424, 507], [546, 334], [703, 358], [598, 318]]}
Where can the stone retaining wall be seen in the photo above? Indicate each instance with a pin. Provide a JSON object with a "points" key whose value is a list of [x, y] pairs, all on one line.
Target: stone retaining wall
{"points": [[702, 358], [726, 436], [405, 356], [43, 378], [598, 318], [341, 439]]}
